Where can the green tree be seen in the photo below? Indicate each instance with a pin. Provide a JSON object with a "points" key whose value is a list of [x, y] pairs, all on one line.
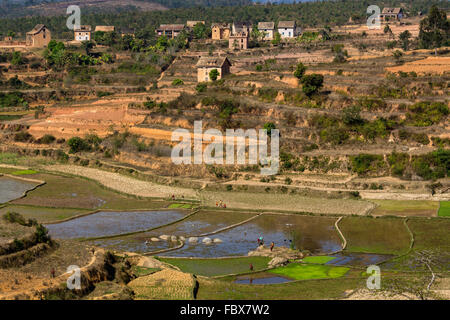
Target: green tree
{"points": [[200, 31], [269, 126], [213, 74], [17, 58], [387, 30], [87, 46], [276, 38], [300, 71], [340, 55], [434, 29], [404, 38], [312, 83]]}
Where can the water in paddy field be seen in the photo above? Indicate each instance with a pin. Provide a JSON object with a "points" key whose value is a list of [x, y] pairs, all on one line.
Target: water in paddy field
{"points": [[112, 223], [358, 259], [11, 189], [315, 234]]}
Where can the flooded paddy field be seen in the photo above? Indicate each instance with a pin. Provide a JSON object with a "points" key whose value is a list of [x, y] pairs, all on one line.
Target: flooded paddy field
{"points": [[11, 188], [316, 234], [357, 259], [107, 223], [72, 192], [197, 224]]}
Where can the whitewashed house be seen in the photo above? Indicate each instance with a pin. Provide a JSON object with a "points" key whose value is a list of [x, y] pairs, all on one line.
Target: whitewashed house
{"points": [[268, 28], [288, 29]]}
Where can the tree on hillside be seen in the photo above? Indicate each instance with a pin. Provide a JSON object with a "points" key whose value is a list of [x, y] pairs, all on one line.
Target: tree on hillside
{"points": [[276, 38], [87, 46], [434, 29], [397, 54], [200, 31], [300, 71], [312, 83], [340, 54], [404, 38], [388, 30]]}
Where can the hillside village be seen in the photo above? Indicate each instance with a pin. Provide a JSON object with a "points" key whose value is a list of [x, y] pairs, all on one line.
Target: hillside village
{"points": [[87, 177]]}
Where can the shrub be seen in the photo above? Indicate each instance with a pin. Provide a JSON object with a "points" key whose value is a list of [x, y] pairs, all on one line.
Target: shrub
{"points": [[423, 114], [77, 144], [177, 82], [47, 139], [300, 71], [365, 163], [312, 83], [22, 136], [201, 87]]}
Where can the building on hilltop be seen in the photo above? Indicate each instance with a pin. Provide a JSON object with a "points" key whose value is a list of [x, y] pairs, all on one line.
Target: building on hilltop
{"points": [[206, 64], [40, 36], [268, 28], [241, 27], [391, 14], [238, 41], [288, 29], [220, 31], [83, 33], [170, 30]]}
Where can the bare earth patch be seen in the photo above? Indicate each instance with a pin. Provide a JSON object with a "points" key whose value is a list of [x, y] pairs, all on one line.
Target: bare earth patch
{"points": [[433, 65]]}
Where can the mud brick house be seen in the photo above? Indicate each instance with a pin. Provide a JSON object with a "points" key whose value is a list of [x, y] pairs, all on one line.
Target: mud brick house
{"points": [[391, 14], [83, 33], [105, 28], [206, 64], [288, 29], [220, 31], [238, 41], [40, 36], [170, 30], [268, 28], [241, 27]]}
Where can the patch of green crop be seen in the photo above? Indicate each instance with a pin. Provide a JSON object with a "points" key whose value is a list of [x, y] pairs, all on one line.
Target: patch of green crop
{"points": [[318, 259], [444, 209], [24, 172], [299, 271]]}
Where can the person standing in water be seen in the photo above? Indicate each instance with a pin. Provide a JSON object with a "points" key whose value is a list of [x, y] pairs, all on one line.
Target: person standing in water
{"points": [[272, 245]]}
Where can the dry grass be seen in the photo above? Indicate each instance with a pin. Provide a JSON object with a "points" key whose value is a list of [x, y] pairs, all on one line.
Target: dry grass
{"points": [[165, 284]]}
